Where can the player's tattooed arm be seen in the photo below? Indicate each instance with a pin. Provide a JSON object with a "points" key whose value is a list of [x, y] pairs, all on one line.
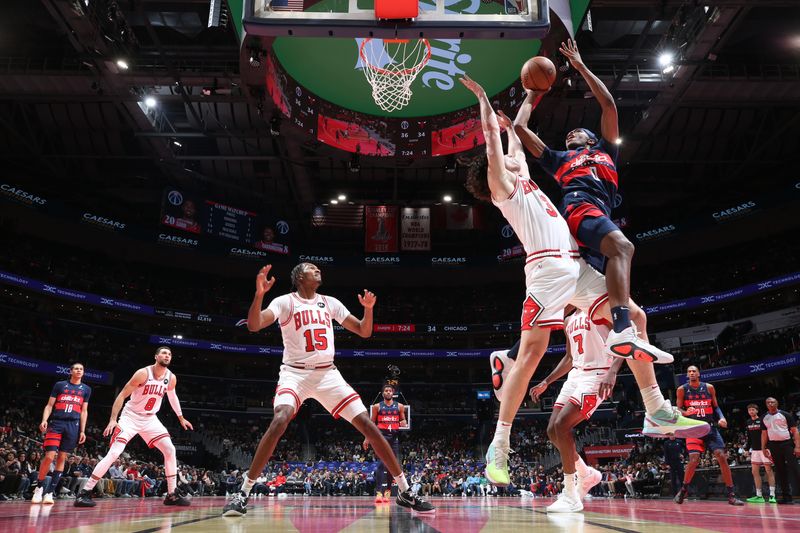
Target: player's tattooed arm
{"points": [[258, 319], [527, 137], [139, 377]]}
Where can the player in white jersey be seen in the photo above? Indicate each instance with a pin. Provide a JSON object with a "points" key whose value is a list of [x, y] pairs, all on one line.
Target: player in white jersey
{"points": [[555, 276], [306, 320], [591, 378], [146, 388]]}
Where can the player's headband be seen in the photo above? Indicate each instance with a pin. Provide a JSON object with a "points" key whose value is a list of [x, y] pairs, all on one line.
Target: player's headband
{"points": [[589, 133]]}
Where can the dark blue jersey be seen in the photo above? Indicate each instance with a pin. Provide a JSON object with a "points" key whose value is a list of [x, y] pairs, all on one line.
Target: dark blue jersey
{"points": [[700, 399], [585, 175], [388, 417], [70, 400]]}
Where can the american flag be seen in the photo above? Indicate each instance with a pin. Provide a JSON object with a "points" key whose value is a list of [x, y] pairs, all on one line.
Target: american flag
{"points": [[338, 216], [287, 5]]}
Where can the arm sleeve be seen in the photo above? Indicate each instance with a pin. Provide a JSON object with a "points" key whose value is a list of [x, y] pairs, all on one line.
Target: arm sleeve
{"points": [[174, 402]]}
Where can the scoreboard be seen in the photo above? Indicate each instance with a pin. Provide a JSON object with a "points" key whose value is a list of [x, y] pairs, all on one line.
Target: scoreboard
{"points": [[231, 223]]}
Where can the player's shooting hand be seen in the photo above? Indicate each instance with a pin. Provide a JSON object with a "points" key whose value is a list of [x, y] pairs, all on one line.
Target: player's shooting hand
{"points": [[185, 424], [537, 390], [722, 423], [82, 438], [607, 386], [367, 300], [263, 282], [503, 120], [110, 428], [570, 51], [43, 427], [472, 85], [533, 94]]}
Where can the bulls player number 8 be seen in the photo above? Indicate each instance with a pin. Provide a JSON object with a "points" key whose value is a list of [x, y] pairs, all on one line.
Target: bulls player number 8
{"points": [[317, 342], [149, 405]]}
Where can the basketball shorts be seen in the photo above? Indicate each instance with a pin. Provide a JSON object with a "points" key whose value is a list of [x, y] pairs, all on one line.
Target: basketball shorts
{"points": [[588, 224], [326, 385], [712, 441], [149, 427], [581, 389], [61, 435], [590, 291], [550, 286], [757, 457]]}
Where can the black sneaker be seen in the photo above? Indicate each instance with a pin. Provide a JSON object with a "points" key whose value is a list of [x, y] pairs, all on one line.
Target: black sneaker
{"points": [[680, 497], [84, 499], [236, 506], [406, 499], [175, 498], [733, 500]]}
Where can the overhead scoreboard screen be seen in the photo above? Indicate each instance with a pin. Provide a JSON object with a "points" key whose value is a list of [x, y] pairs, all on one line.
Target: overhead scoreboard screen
{"points": [[231, 222]]}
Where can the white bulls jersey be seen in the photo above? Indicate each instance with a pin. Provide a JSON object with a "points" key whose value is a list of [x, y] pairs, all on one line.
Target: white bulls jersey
{"points": [[307, 327], [146, 399], [540, 228], [586, 342]]}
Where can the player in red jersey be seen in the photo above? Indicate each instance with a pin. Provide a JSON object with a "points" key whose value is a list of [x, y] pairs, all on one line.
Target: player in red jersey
{"points": [[306, 320], [698, 400], [147, 388], [67, 411]]}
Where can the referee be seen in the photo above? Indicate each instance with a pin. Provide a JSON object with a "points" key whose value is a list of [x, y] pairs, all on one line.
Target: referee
{"points": [[778, 428]]}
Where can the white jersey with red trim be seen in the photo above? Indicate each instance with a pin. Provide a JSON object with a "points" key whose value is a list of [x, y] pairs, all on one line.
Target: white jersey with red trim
{"points": [[587, 342], [307, 327], [540, 228], [146, 399]]}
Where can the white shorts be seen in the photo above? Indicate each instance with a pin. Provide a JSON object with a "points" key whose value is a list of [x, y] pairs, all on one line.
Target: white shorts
{"points": [[554, 283], [757, 457], [581, 389], [326, 385], [149, 427]]}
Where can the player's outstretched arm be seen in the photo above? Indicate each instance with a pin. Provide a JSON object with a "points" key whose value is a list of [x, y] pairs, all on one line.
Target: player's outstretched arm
{"points": [[175, 403], [561, 369], [499, 185], [532, 142], [139, 378], [258, 319], [514, 145], [363, 327], [609, 123]]}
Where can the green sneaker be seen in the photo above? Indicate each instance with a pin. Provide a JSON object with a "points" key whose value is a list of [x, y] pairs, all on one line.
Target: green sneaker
{"points": [[756, 499], [497, 465], [772, 499], [669, 421]]}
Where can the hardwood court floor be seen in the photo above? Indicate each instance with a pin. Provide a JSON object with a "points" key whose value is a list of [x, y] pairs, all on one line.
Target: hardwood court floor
{"points": [[453, 515]]}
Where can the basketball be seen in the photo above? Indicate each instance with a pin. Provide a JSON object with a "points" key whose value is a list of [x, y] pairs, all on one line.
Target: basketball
{"points": [[538, 73]]}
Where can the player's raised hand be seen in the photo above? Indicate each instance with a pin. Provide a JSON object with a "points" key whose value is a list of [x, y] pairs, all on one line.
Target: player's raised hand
{"points": [[472, 85], [43, 427], [537, 390], [570, 51], [110, 428], [367, 300], [503, 120], [185, 424], [263, 282]]}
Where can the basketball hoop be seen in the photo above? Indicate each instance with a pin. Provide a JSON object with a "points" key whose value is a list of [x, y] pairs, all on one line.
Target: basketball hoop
{"points": [[391, 68]]}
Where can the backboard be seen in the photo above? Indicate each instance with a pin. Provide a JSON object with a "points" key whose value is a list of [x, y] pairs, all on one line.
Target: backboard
{"points": [[440, 19]]}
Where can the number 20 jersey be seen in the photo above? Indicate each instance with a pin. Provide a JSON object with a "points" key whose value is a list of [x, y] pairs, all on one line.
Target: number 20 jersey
{"points": [[307, 327]]}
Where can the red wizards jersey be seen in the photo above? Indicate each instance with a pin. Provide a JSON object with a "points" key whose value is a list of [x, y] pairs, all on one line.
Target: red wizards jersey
{"points": [[585, 175], [69, 400], [700, 399]]}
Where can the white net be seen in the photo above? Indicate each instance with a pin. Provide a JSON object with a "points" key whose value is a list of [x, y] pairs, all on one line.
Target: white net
{"points": [[391, 66]]}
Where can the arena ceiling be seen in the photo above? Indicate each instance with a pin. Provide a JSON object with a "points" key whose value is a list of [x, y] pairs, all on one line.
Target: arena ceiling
{"points": [[718, 127]]}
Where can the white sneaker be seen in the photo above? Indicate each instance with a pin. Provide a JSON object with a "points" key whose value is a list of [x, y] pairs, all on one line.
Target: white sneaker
{"points": [[627, 345], [48, 499], [37, 495], [586, 483], [501, 365], [566, 503]]}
